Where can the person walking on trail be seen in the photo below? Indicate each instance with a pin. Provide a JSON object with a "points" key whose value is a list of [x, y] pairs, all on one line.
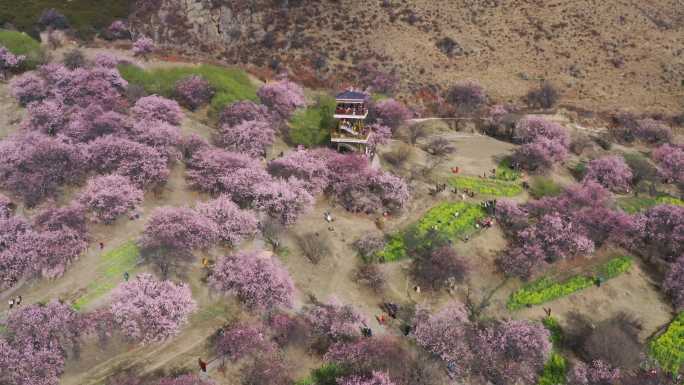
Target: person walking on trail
{"points": [[17, 301], [202, 365], [126, 276], [11, 303]]}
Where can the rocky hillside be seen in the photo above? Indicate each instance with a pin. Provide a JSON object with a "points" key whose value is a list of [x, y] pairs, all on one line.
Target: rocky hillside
{"points": [[602, 54]]}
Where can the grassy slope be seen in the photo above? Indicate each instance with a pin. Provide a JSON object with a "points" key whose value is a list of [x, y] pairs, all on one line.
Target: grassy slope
{"points": [[22, 44], [311, 126], [635, 204], [117, 261], [668, 348], [231, 84]]}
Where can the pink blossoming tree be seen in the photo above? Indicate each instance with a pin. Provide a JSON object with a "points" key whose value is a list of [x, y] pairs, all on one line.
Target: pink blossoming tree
{"points": [[255, 278], [143, 47], [376, 378], [249, 137], [670, 160], [143, 165], [156, 107], [334, 320], [674, 283], [28, 88], [242, 340], [283, 97], [284, 200], [392, 113], [309, 166], [172, 233], [611, 172], [193, 92], [596, 373], [234, 224], [148, 310], [111, 196], [244, 111], [9, 62], [222, 172], [34, 166]]}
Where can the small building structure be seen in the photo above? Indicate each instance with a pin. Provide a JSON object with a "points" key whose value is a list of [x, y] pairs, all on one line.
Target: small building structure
{"points": [[350, 132]]}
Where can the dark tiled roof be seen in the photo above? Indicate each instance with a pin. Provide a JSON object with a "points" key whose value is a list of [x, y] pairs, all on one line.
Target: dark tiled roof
{"points": [[351, 95]]}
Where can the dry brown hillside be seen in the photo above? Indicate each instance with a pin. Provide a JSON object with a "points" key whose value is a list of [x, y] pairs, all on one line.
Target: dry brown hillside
{"points": [[602, 54]]}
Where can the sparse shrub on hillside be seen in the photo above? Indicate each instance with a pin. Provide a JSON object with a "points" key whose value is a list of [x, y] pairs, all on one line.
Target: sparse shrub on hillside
{"points": [[392, 113], [234, 224], [378, 80], [370, 276], [435, 267], [266, 369], [614, 341], [117, 30], [545, 96], [368, 245], [440, 147], [242, 340], [612, 172], [398, 156], [674, 283], [258, 280], [74, 59], [653, 131], [415, 132], [670, 160], [467, 96], [449, 46], [579, 144], [28, 88], [34, 166], [642, 170], [283, 97], [148, 310], [111, 196], [315, 246], [333, 321], [249, 137], [143, 47], [193, 92]]}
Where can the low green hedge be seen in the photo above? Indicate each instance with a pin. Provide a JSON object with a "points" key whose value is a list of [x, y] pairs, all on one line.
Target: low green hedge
{"points": [[544, 187], [546, 289], [668, 348], [551, 324], [486, 186], [325, 375], [555, 370], [311, 126]]}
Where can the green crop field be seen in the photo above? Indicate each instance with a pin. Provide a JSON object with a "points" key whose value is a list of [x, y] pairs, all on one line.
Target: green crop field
{"points": [[486, 186], [636, 204], [451, 219], [546, 289], [668, 348]]}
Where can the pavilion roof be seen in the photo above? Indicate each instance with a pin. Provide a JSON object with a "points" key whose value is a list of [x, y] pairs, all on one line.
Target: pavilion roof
{"points": [[351, 95]]}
